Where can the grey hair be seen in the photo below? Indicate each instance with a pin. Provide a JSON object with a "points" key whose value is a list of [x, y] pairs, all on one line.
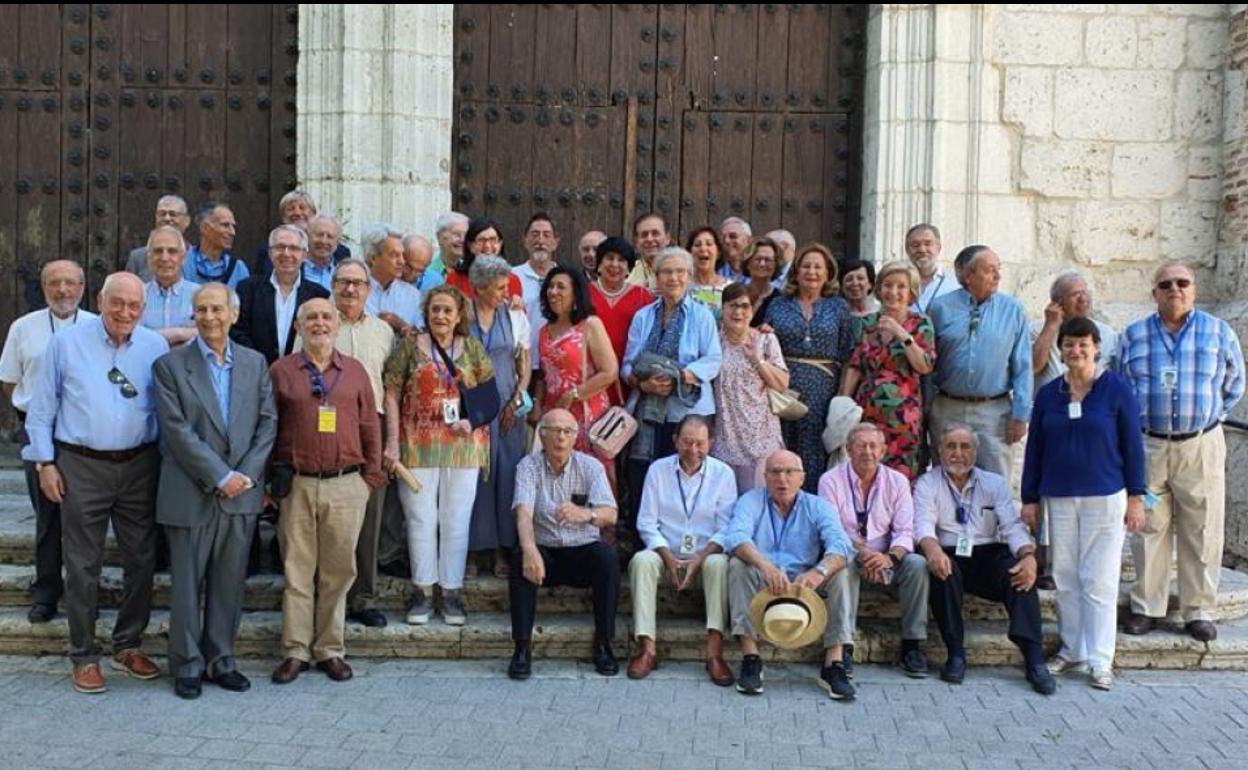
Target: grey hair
{"points": [[951, 427], [1164, 266], [355, 261], [416, 238], [296, 195], [374, 238], [173, 199], [169, 229], [783, 237], [43, 272], [325, 216], [965, 261], [921, 227], [296, 229], [737, 221], [486, 269], [113, 279], [1062, 283], [207, 209], [235, 304], [448, 220], [862, 427], [672, 252]]}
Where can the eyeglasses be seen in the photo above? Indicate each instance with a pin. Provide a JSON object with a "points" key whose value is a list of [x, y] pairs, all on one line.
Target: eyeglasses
{"points": [[486, 240], [352, 282], [118, 377], [548, 429], [1182, 283], [784, 471]]}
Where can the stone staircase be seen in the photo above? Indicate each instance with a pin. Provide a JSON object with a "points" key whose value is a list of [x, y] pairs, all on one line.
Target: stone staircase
{"points": [[564, 625]]}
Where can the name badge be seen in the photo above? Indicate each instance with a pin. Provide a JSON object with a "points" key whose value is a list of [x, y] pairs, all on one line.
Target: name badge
{"points": [[1169, 378], [326, 419], [965, 545], [687, 543], [1075, 409], [450, 411]]}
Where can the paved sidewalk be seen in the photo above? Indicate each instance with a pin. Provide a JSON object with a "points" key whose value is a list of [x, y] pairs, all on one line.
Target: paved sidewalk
{"points": [[457, 714]]}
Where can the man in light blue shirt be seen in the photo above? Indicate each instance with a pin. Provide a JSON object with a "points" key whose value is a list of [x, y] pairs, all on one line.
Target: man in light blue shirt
{"points": [[983, 360], [92, 427], [779, 537], [324, 253], [923, 250], [169, 309], [390, 298], [212, 260]]}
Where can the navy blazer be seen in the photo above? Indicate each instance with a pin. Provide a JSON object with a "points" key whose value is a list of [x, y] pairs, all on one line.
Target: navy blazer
{"points": [[257, 318]]}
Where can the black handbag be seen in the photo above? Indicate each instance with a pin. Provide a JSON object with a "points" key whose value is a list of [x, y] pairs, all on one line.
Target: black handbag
{"points": [[479, 405]]}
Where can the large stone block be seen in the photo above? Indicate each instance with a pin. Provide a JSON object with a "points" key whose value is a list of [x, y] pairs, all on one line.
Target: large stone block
{"points": [[1204, 173], [1198, 106], [1189, 232], [1113, 105], [1111, 41], [1027, 99], [1035, 38], [1161, 42], [1207, 44], [1007, 223], [1105, 232], [1065, 169], [1149, 170]]}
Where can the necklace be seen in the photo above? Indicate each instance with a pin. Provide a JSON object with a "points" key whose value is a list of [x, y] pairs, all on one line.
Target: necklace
{"points": [[612, 295]]}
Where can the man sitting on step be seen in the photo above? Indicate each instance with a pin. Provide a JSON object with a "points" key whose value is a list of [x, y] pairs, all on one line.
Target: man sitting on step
{"points": [[684, 506]]}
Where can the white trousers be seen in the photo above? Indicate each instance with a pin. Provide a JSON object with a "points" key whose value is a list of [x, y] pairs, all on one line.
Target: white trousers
{"points": [[1086, 550], [438, 518]]}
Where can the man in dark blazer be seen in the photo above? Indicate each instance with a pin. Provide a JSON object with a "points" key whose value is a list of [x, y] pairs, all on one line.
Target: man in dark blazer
{"points": [[266, 320], [218, 423]]}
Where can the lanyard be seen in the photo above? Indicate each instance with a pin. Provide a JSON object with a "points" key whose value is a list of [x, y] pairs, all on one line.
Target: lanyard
{"points": [[865, 510], [1178, 341], [316, 376], [445, 373], [960, 510], [487, 337], [52, 320], [779, 531], [683, 500]]}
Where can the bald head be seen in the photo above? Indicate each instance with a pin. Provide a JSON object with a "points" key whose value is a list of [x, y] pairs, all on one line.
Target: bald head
{"points": [[417, 254], [121, 303], [558, 430]]}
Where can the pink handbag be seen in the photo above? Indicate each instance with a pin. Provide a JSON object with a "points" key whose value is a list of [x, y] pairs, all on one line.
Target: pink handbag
{"points": [[614, 428]]}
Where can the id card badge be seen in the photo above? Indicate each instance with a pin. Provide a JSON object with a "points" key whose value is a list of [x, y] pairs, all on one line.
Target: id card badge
{"points": [[965, 545], [1075, 410], [687, 543], [450, 411], [326, 419], [1169, 378]]}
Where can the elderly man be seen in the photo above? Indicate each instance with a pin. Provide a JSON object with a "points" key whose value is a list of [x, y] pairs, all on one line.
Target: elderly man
{"points": [[650, 236], [683, 543], [171, 211], [923, 250], [970, 532], [325, 250], [297, 208], [218, 422], [562, 501], [781, 536], [417, 254], [540, 244], [983, 363], [1069, 297], [735, 233], [587, 248], [169, 310], [449, 230], [368, 340], [92, 428], [329, 451], [788, 249], [876, 508], [391, 298], [1187, 369], [24, 347], [266, 320], [212, 259]]}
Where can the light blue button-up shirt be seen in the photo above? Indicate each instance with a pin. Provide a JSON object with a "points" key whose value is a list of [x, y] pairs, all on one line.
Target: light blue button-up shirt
{"points": [[983, 348], [699, 350], [795, 543], [402, 299], [170, 308], [75, 402], [323, 276], [221, 373], [198, 268]]}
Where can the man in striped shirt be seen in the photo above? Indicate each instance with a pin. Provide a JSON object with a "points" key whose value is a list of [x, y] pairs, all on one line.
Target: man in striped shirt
{"points": [[1188, 372]]}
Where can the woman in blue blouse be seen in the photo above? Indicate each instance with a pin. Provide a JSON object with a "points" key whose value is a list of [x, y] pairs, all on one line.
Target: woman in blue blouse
{"points": [[1085, 461], [815, 330]]}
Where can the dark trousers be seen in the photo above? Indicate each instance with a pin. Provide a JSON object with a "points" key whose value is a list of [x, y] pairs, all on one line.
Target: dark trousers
{"points": [[363, 593], [984, 574], [635, 476], [48, 585], [97, 491], [594, 566]]}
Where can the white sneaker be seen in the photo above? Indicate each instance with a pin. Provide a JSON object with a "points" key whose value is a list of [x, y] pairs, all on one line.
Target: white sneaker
{"points": [[1103, 679], [1060, 664]]}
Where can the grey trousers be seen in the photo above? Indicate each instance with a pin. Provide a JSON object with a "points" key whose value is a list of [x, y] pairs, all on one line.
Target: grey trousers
{"points": [[909, 586], [743, 582], [214, 554], [363, 593], [97, 491], [988, 420]]}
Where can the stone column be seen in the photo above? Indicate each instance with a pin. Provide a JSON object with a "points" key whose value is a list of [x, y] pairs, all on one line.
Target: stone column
{"points": [[374, 112]]}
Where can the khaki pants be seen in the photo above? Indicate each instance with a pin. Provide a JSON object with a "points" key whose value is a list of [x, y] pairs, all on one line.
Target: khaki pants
{"points": [[645, 572], [318, 529], [1189, 478]]}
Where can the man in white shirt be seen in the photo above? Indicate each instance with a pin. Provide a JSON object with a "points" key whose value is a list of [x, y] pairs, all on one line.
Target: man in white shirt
{"points": [[923, 249]]}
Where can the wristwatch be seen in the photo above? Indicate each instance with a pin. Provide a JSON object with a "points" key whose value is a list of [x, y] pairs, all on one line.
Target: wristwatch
{"points": [[822, 570], [40, 466], [908, 342], [593, 517]]}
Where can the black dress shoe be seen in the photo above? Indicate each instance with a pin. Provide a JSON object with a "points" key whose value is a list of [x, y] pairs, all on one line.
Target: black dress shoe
{"points": [[371, 617], [231, 680], [604, 660], [1041, 680], [521, 666], [41, 613], [187, 688], [954, 670], [1201, 630]]}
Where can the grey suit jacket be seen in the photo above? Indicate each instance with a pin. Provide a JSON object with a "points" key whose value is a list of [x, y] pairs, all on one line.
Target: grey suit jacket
{"points": [[137, 264], [198, 448]]}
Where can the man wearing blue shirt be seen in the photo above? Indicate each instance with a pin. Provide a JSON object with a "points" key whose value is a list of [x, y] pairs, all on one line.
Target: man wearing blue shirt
{"points": [[212, 260], [168, 311], [92, 428], [390, 298], [1187, 369], [781, 536], [983, 360]]}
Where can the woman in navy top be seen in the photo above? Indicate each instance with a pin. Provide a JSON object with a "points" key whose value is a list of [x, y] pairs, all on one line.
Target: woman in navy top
{"points": [[1085, 461]]}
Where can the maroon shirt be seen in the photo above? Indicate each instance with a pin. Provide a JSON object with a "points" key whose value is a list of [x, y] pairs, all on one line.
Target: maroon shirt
{"points": [[357, 440]]}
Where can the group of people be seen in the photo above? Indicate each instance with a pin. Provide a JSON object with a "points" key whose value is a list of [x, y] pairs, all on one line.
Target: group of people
{"points": [[804, 427]]}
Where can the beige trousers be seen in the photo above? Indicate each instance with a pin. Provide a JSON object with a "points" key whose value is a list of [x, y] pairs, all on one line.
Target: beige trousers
{"points": [[645, 571]]}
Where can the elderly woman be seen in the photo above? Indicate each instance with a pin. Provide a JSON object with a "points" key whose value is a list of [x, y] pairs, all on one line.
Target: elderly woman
{"points": [[1085, 462], [815, 331], [707, 285], [762, 266], [746, 432], [483, 237], [428, 432], [857, 282], [615, 300], [504, 334], [672, 356], [896, 347]]}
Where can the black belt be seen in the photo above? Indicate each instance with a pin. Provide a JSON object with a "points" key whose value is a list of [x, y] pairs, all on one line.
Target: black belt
{"points": [[331, 474], [976, 399], [21, 416], [108, 455], [1181, 436]]}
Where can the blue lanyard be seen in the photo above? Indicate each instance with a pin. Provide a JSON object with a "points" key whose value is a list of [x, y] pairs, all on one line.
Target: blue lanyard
{"points": [[487, 337], [779, 531], [680, 485], [1178, 341], [316, 376], [960, 510], [865, 510]]}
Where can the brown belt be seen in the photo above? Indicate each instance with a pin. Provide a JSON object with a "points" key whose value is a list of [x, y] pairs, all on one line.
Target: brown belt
{"points": [[108, 455], [976, 399]]}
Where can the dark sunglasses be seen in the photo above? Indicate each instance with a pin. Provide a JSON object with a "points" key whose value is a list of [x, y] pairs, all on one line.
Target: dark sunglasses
{"points": [[318, 383], [974, 322], [1182, 283], [117, 377]]}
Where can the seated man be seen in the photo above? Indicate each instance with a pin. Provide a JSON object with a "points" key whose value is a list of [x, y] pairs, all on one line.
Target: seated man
{"points": [[779, 535], [684, 507], [562, 499], [966, 513], [876, 508]]}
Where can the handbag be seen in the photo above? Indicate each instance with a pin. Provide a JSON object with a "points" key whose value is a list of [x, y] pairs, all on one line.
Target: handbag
{"points": [[614, 428], [481, 403], [786, 404]]}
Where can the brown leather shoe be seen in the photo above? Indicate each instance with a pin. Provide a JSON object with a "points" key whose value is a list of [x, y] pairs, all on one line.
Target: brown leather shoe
{"points": [[289, 670], [642, 664], [135, 663], [717, 668], [336, 668], [88, 678], [1136, 624]]}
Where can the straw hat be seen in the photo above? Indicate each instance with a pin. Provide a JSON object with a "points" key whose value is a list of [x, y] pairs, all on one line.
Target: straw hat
{"points": [[791, 620]]}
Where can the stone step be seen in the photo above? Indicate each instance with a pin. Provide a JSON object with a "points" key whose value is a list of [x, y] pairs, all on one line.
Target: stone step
{"points": [[488, 636]]}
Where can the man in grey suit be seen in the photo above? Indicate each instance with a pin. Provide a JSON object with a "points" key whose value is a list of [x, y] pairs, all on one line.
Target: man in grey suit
{"points": [[218, 423]]}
